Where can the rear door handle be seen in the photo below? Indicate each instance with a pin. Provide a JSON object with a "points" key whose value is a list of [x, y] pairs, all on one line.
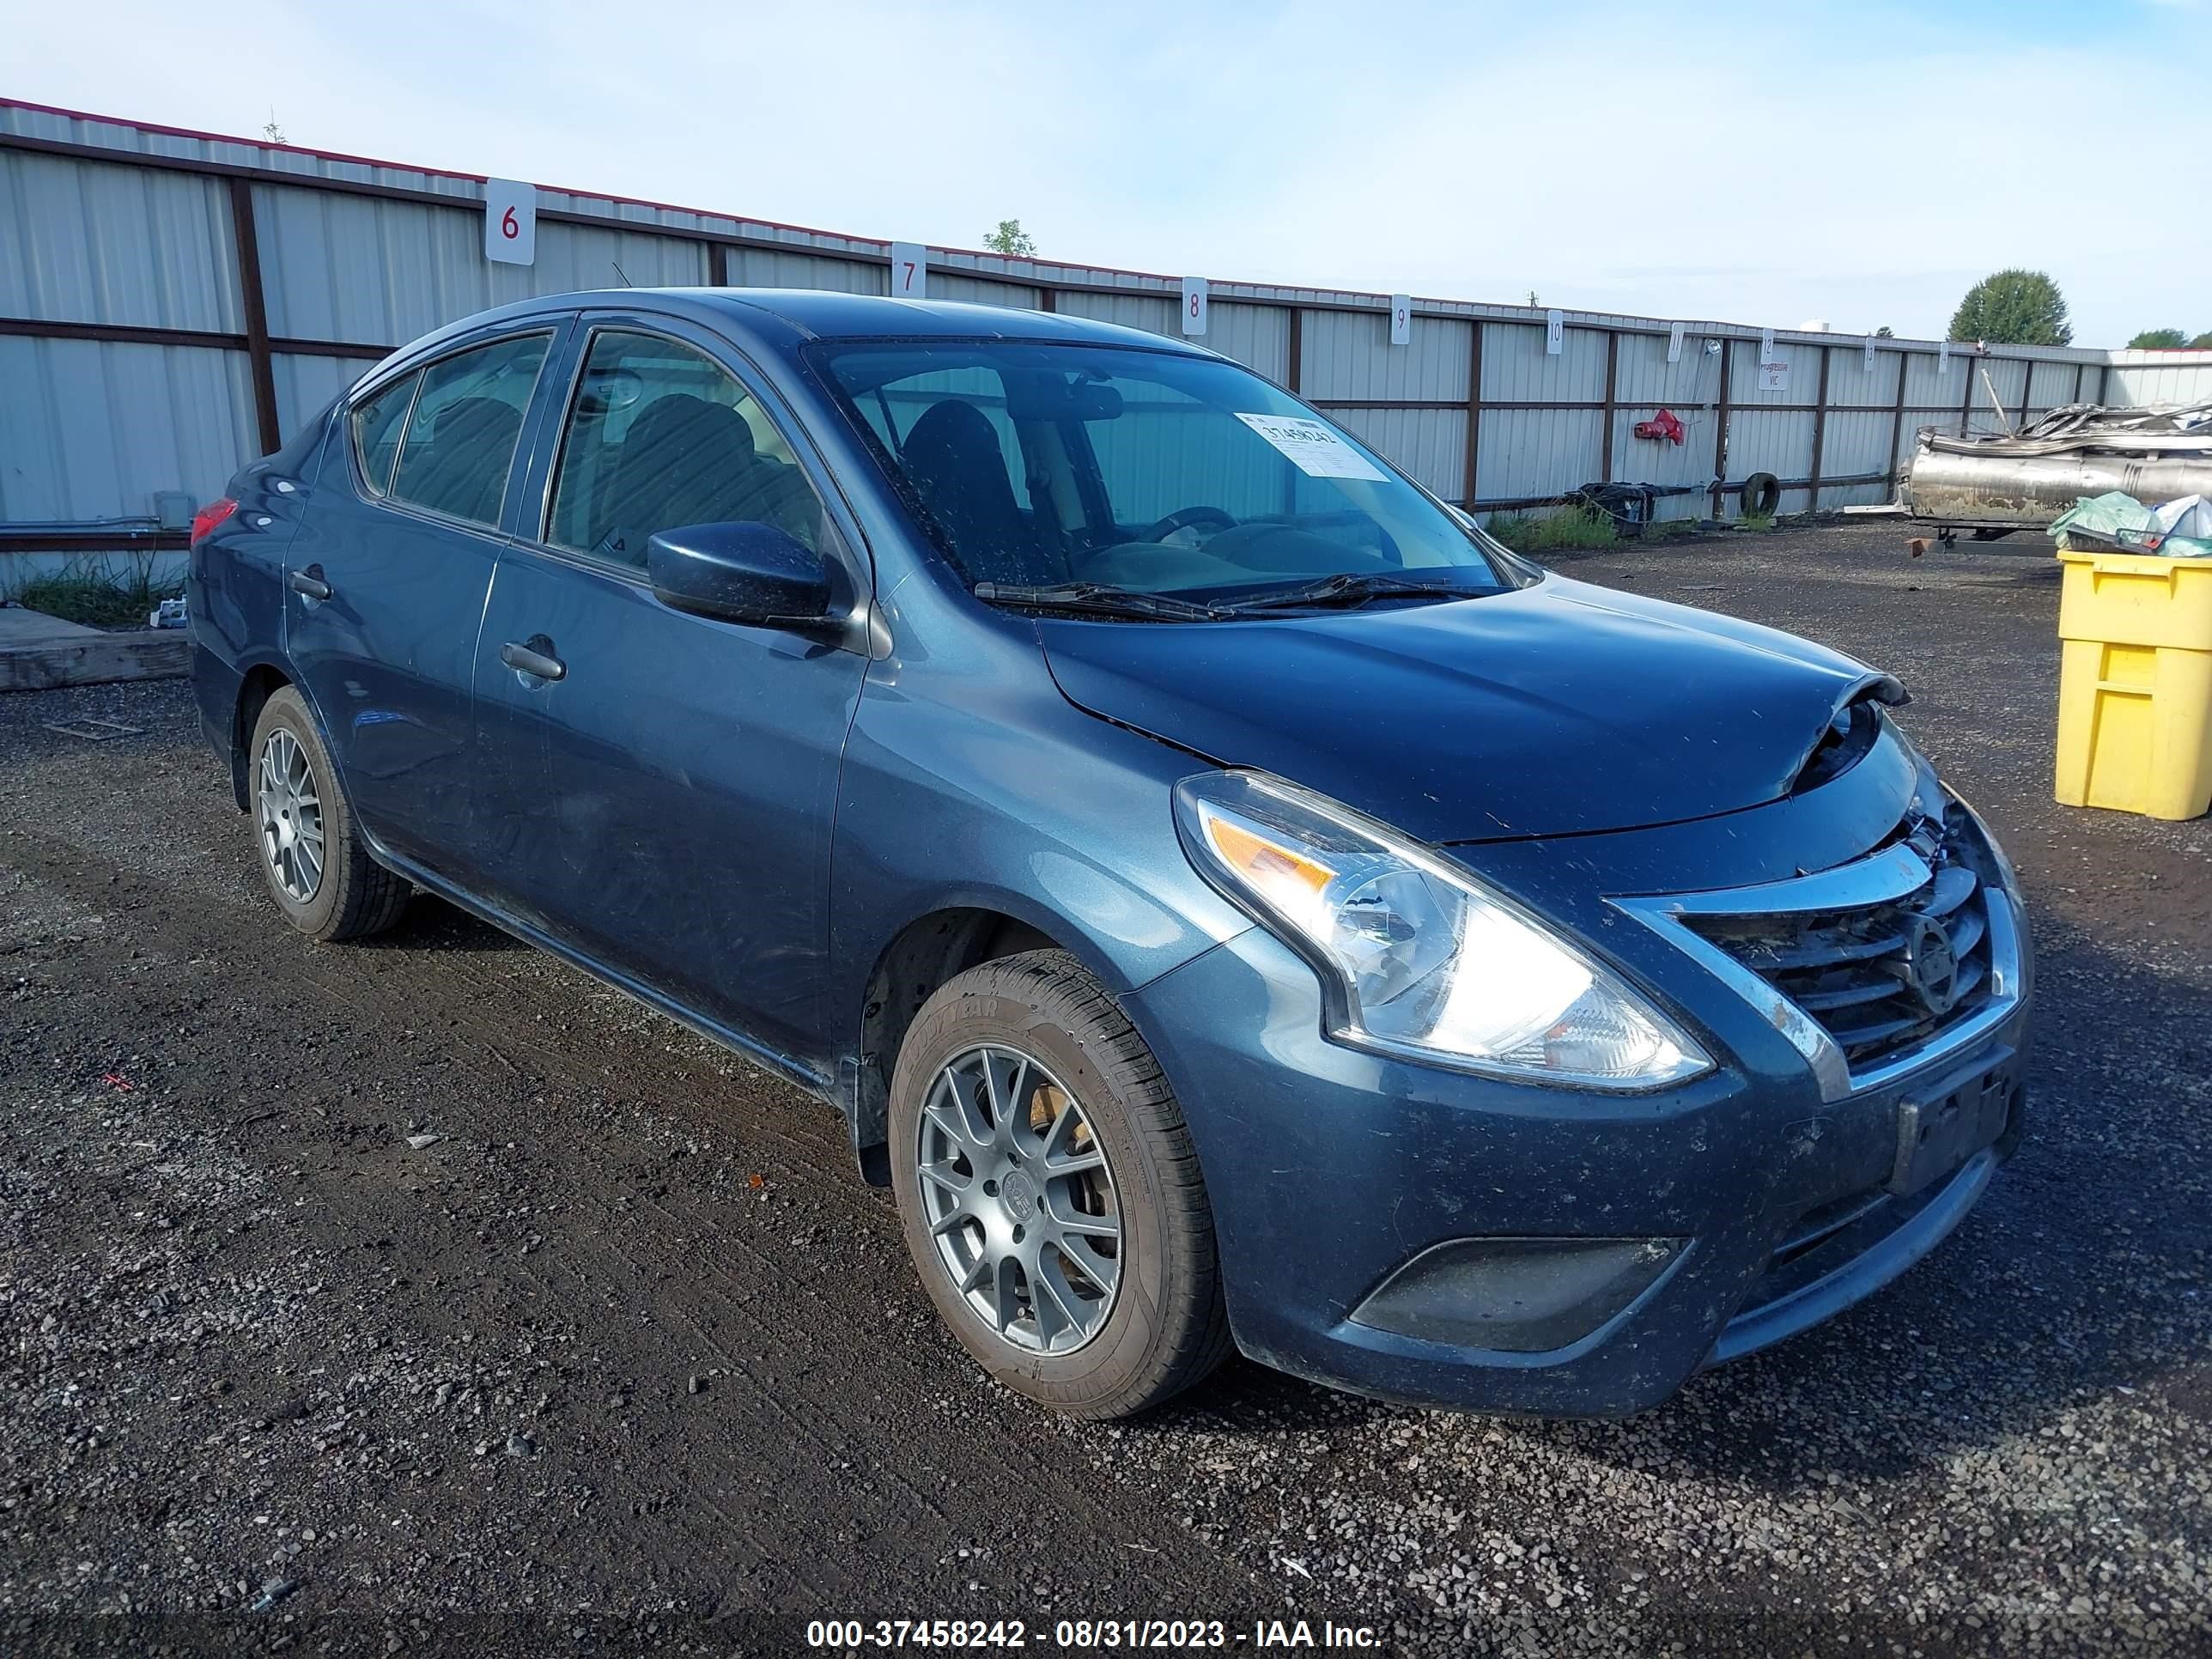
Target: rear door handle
{"points": [[309, 582], [529, 660]]}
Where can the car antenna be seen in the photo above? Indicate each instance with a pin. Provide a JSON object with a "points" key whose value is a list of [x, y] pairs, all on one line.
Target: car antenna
{"points": [[624, 275]]}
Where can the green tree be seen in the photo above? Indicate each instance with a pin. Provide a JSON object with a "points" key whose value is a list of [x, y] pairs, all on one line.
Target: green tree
{"points": [[2203, 339], [1011, 239], [2158, 339], [2014, 307]]}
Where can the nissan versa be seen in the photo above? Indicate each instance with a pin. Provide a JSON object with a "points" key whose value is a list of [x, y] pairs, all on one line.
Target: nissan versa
{"points": [[1230, 898]]}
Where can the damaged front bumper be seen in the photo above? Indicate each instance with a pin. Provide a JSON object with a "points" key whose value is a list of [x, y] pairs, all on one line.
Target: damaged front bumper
{"points": [[1444, 1239], [1449, 1238]]}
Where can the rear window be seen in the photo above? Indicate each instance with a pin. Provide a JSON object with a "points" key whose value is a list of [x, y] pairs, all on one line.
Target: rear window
{"points": [[376, 427], [461, 439]]}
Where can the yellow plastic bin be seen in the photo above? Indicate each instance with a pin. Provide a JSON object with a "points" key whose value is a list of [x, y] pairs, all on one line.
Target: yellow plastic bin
{"points": [[2135, 683]]}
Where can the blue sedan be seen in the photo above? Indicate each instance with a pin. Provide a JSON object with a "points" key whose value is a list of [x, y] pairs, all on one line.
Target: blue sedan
{"points": [[1230, 899]]}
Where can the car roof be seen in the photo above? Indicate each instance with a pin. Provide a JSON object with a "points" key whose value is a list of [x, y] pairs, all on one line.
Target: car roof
{"points": [[784, 318]]}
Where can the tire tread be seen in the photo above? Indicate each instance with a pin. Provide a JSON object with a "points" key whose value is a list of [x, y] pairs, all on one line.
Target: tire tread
{"points": [[366, 898], [1194, 1322]]}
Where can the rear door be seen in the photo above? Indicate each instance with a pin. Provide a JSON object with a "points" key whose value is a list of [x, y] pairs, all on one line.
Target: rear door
{"points": [[387, 579], [664, 805]]}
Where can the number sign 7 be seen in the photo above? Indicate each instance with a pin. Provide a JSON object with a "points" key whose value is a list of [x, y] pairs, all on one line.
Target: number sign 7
{"points": [[909, 271]]}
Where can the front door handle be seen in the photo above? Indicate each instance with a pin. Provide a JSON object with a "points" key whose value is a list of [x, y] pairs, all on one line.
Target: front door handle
{"points": [[526, 658], [309, 582]]}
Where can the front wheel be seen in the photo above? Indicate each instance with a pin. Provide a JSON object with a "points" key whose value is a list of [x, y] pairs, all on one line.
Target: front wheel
{"points": [[1049, 1194]]}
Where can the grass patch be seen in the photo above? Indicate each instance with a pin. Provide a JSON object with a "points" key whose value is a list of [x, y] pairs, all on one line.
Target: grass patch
{"points": [[1661, 529], [92, 593], [1755, 521], [1572, 527]]}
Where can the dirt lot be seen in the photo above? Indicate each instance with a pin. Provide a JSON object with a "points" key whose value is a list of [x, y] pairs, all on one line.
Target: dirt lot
{"points": [[627, 1359]]}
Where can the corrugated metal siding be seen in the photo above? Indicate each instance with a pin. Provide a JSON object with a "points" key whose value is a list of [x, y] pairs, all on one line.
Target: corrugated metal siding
{"points": [[1648, 382], [1156, 315], [1537, 451], [1515, 368], [375, 272], [1855, 441], [973, 290], [1654, 460], [2141, 378], [1429, 443], [104, 426], [1777, 440], [1150, 471], [2050, 385], [82, 242], [1852, 385], [105, 242], [1257, 335], [754, 267], [1349, 355], [1925, 387], [304, 385]]}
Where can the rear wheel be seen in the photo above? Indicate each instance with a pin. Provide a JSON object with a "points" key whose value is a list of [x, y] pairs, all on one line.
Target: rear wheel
{"points": [[313, 860], [1048, 1192]]}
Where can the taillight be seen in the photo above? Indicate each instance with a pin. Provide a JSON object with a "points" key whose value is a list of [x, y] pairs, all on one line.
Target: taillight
{"points": [[205, 520]]}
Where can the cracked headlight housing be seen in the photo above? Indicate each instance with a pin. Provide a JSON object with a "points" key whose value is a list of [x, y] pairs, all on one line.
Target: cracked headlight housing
{"points": [[1419, 959]]}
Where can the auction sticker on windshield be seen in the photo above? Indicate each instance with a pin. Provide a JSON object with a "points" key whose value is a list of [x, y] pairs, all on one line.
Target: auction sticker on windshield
{"points": [[1313, 448]]}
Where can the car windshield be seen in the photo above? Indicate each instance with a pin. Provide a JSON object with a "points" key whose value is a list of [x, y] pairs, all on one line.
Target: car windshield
{"points": [[1089, 472]]}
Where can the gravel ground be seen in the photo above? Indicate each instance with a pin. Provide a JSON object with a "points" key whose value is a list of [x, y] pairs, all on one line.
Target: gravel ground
{"points": [[391, 1297]]}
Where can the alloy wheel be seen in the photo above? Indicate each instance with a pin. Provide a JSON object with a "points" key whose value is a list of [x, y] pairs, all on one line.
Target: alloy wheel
{"points": [[291, 816], [1020, 1199]]}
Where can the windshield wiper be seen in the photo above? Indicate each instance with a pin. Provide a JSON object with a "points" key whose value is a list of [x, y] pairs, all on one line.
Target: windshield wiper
{"points": [[1354, 587], [1101, 597]]}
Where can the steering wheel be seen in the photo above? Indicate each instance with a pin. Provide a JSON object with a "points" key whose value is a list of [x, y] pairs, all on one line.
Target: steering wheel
{"points": [[1186, 516]]}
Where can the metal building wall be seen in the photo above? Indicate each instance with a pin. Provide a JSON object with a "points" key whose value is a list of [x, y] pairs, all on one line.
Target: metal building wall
{"points": [[2161, 376], [142, 352]]}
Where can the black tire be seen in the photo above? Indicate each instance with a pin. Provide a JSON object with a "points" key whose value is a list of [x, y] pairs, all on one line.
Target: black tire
{"points": [[355, 895], [1167, 1327], [1762, 494]]}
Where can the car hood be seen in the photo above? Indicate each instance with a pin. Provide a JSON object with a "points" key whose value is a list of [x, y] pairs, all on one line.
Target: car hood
{"points": [[1554, 709]]}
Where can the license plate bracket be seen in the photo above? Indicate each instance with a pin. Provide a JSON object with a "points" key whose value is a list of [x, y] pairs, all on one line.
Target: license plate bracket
{"points": [[1937, 1132]]}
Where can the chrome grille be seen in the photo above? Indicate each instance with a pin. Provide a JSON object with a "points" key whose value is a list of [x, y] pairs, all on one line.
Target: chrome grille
{"points": [[1883, 977]]}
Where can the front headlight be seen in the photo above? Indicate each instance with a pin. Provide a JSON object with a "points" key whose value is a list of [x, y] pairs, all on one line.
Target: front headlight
{"points": [[1417, 957]]}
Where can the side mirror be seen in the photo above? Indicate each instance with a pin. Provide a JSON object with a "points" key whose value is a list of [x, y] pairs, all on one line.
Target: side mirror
{"points": [[742, 573]]}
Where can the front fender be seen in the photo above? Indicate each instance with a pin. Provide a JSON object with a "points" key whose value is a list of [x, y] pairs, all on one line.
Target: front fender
{"points": [[973, 785]]}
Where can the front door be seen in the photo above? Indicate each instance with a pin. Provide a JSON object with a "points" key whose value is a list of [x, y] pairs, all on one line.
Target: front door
{"points": [[386, 581], [655, 788]]}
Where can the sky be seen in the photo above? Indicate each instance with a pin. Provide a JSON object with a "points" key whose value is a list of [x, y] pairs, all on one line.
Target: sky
{"points": [[1860, 164]]}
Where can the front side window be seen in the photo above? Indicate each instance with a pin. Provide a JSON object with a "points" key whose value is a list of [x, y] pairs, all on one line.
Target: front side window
{"points": [[461, 440], [660, 436], [1042, 465], [377, 423]]}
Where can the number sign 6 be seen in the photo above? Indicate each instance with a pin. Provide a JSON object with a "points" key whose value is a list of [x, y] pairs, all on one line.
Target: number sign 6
{"points": [[510, 221]]}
